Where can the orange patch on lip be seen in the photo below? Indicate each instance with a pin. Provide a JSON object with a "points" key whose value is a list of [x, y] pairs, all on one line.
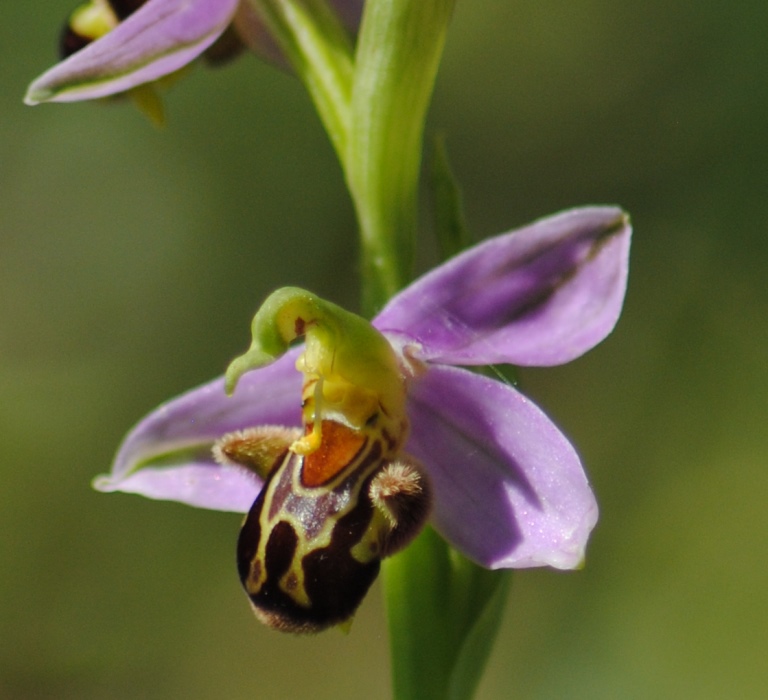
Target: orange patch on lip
{"points": [[338, 448]]}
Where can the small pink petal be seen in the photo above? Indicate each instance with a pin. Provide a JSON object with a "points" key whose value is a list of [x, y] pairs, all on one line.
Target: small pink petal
{"points": [[541, 295], [168, 454]]}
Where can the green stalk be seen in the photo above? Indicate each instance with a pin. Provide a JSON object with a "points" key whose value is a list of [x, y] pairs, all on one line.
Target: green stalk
{"points": [[398, 53], [444, 613], [320, 52]]}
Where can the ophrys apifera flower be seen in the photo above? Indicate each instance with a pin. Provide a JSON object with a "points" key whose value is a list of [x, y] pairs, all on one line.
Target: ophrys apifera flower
{"points": [[390, 408], [115, 46]]}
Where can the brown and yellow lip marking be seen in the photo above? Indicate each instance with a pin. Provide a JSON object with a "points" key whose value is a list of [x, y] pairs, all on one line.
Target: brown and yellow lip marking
{"points": [[342, 495], [311, 545]]}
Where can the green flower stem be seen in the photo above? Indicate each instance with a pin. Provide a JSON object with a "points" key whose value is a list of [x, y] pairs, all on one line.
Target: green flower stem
{"points": [[373, 108], [320, 52], [444, 612], [398, 53]]}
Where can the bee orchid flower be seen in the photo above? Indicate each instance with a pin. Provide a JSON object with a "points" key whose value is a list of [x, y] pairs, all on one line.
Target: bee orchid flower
{"points": [[115, 46], [507, 489]]}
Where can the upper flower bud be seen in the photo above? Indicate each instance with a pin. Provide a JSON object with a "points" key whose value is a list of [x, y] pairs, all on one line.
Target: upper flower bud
{"points": [[111, 47]]}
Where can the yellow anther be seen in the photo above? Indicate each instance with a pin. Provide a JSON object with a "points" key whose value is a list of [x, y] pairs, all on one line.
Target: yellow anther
{"points": [[93, 21]]}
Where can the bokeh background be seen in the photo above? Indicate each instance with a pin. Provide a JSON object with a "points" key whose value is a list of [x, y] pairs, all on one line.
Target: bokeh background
{"points": [[131, 261]]}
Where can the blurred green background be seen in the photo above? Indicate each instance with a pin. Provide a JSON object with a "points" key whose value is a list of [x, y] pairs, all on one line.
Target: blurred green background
{"points": [[132, 259]]}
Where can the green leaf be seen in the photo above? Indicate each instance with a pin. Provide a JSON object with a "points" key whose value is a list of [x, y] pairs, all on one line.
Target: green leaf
{"points": [[448, 211]]}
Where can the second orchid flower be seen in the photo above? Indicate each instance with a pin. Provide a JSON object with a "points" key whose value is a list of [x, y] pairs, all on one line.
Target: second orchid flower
{"points": [[129, 43]]}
